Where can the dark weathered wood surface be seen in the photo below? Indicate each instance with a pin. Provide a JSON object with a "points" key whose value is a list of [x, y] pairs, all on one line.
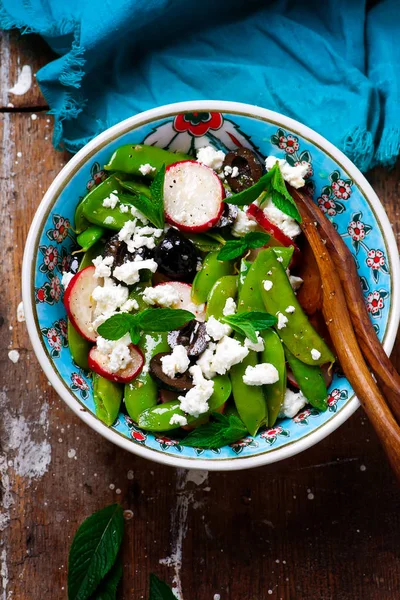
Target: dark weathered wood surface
{"points": [[323, 525]]}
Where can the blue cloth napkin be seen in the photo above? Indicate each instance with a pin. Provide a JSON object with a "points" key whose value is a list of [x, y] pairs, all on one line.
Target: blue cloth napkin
{"points": [[334, 65]]}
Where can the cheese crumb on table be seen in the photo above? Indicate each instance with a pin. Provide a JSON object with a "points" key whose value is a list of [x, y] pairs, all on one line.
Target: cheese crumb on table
{"points": [[20, 313], [176, 362], [13, 355], [261, 374]]}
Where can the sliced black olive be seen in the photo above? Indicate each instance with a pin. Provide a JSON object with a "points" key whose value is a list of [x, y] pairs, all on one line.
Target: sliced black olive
{"points": [[229, 215], [249, 167], [180, 383], [120, 253], [193, 336], [176, 256]]}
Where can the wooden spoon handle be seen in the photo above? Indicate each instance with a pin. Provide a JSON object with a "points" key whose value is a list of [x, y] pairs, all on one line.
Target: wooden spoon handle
{"points": [[338, 320], [384, 371]]}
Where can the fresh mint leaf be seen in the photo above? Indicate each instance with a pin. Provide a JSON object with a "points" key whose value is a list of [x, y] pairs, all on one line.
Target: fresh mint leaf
{"points": [[116, 326], [256, 239], [163, 319], [94, 550], [280, 195], [107, 590], [157, 197], [159, 590], [248, 323], [232, 249], [134, 332], [217, 433], [252, 193]]}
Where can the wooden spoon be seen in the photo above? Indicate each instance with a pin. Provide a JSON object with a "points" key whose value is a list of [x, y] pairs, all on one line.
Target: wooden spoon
{"points": [[384, 371], [338, 320]]}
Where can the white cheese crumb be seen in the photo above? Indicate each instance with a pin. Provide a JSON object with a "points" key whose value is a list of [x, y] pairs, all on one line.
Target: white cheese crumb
{"points": [[257, 347], [178, 420], [124, 208], [217, 330], [146, 169], [33, 117], [262, 374], [66, 279], [280, 259], [108, 297], [129, 271], [315, 354], [117, 352], [210, 157], [205, 360], [130, 305], [229, 308], [195, 401], [136, 236], [292, 404], [19, 154], [227, 170], [13, 355], [282, 320], [111, 201], [235, 172], [162, 295], [20, 313], [138, 215], [243, 224], [228, 352], [290, 309], [295, 282], [289, 226], [109, 220], [267, 285], [176, 362], [102, 266], [293, 175]]}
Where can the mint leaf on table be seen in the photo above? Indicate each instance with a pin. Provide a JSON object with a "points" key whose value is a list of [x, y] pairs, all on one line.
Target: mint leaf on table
{"points": [[116, 327], [280, 195], [215, 434], [159, 590], [107, 590], [235, 248], [163, 319], [248, 323], [94, 550]]}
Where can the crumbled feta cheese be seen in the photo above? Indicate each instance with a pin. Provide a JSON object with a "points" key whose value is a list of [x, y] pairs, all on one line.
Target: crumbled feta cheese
{"points": [[178, 420], [262, 374], [258, 346], [217, 330], [103, 266], [176, 362], [20, 313], [267, 285], [243, 224], [162, 295], [136, 214], [289, 226], [279, 259], [129, 305], [210, 157], [66, 279], [290, 309], [124, 208], [146, 169], [315, 354], [293, 175], [205, 360], [111, 201], [136, 236], [229, 308], [13, 355], [117, 352], [282, 320], [129, 272], [195, 401], [109, 220], [228, 352], [295, 282], [109, 297], [292, 404], [227, 170], [235, 172]]}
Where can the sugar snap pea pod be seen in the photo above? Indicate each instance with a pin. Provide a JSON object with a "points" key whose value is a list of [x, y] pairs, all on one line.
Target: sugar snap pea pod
{"points": [[211, 270], [203, 242], [284, 252], [158, 417], [142, 392], [250, 293], [311, 381], [94, 211], [80, 222], [130, 158], [224, 288], [274, 354], [135, 186], [249, 400], [297, 333], [90, 236], [107, 397], [78, 346], [244, 269], [93, 252]]}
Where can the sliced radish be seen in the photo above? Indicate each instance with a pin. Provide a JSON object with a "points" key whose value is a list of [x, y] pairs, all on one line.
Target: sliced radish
{"points": [[185, 302], [193, 196], [98, 362], [258, 215], [79, 303]]}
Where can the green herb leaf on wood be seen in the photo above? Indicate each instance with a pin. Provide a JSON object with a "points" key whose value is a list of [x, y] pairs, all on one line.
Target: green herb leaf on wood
{"points": [[107, 589], [159, 590]]}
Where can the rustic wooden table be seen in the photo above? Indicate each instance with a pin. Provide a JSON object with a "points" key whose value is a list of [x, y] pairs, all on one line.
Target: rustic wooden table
{"points": [[323, 525]]}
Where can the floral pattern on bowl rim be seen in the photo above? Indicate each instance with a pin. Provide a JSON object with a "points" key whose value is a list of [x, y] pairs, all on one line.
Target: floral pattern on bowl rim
{"points": [[332, 187]]}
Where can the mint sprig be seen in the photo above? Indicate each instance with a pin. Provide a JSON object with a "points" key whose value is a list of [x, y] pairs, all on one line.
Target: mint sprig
{"points": [[273, 183], [248, 323], [234, 248], [149, 320], [159, 590], [217, 433], [153, 207]]}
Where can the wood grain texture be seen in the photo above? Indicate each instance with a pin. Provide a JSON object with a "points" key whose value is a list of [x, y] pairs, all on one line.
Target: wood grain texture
{"points": [[323, 525]]}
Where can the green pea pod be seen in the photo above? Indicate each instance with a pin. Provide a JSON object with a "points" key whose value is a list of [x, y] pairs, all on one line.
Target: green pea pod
{"points": [[90, 236], [203, 242], [107, 397], [135, 186], [81, 223], [78, 346], [297, 334], [90, 254], [223, 288], [211, 270], [245, 266], [130, 158], [142, 392], [284, 252], [249, 400], [274, 393], [250, 293], [94, 211], [158, 417], [311, 381]]}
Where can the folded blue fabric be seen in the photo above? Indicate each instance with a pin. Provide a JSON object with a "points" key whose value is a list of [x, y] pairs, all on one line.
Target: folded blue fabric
{"points": [[333, 65]]}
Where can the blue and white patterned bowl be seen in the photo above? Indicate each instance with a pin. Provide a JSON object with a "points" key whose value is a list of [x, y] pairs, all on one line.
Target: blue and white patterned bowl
{"points": [[338, 187]]}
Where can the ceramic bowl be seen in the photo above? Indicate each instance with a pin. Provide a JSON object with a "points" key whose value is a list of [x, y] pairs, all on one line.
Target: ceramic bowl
{"points": [[339, 189]]}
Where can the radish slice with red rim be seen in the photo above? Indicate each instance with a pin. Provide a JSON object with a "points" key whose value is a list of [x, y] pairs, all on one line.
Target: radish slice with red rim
{"points": [[99, 363], [79, 303], [258, 215]]}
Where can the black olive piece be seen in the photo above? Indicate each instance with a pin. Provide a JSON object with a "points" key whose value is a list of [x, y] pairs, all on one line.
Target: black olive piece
{"points": [[180, 383], [193, 336], [176, 256], [120, 253], [228, 216], [249, 167]]}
